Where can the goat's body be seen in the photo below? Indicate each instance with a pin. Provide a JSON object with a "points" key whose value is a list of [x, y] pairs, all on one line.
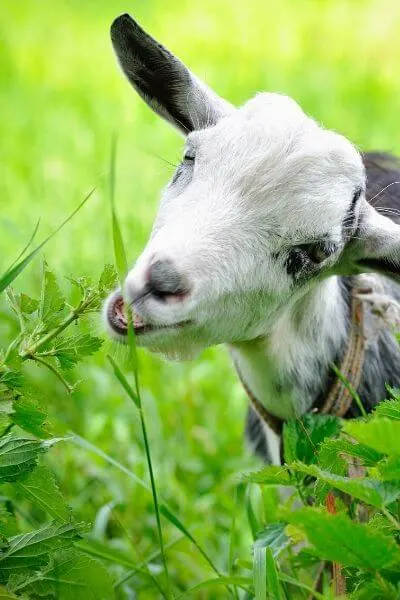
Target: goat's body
{"points": [[382, 353]]}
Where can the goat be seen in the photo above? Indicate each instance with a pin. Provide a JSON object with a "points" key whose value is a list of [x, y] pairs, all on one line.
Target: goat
{"points": [[260, 243]]}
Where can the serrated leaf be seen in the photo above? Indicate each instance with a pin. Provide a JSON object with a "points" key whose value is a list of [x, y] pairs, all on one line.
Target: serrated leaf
{"points": [[18, 455], [389, 409], [32, 550], [380, 433], [302, 437], [72, 575], [336, 538], [30, 416], [69, 351], [52, 301], [108, 280], [273, 537], [12, 379], [369, 490], [339, 447], [40, 487], [380, 522], [27, 304], [270, 475]]}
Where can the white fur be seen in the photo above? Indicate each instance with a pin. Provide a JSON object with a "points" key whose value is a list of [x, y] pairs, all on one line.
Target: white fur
{"points": [[266, 178]]}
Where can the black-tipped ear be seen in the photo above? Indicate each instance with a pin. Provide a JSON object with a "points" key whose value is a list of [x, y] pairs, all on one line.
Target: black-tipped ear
{"points": [[167, 86]]}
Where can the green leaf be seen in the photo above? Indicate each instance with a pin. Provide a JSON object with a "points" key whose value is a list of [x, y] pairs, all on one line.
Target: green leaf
{"points": [[389, 409], [380, 522], [71, 350], [30, 416], [271, 475], [41, 488], [108, 281], [72, 575], [12, 379], [52, 301], [339, 447], [273, 537], [368, 490], [32, 550], [380, 433], [302, 437], [28, 305], [337, 538], [18, 455]]}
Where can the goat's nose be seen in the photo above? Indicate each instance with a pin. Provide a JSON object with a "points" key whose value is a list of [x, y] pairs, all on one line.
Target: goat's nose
{"points": [[165, 280]]}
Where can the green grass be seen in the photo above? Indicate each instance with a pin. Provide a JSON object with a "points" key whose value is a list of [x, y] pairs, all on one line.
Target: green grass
{"points": [[62, 98]]}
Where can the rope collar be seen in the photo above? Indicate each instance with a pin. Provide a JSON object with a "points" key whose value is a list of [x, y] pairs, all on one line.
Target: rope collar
{"points": [[339, 397]]}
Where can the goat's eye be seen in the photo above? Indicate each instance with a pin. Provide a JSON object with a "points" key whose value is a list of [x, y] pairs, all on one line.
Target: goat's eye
{"points": [[189, 157], [318, 252]]}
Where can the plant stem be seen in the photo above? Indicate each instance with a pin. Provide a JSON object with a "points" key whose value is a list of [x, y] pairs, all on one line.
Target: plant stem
{"points": [[391, 518], [59, 376], [73, 316], [155, 500]]}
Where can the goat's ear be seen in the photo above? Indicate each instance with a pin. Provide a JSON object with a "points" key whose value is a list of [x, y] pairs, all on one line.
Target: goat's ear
{"points": [[167, 86], [377, 245]]}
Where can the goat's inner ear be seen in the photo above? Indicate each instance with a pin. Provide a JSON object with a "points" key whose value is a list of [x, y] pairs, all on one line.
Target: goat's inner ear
{"points": [[377, 246], [163, 81]]}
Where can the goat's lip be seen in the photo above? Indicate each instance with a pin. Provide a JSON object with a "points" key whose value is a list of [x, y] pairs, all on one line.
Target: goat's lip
{"points": [[117, 319]]}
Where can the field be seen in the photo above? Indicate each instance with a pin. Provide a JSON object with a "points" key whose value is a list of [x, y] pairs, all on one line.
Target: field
{"points": [[62, 100]]}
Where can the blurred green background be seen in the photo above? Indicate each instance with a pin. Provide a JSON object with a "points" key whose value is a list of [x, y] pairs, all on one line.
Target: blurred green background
{"points": [[62, 97]]}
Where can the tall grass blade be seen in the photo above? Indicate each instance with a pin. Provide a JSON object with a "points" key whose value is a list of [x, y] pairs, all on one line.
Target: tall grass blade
{"points": [[260, 573], [17, 268], [164, 509], [134, 395], [27, 245], [274, 588]]}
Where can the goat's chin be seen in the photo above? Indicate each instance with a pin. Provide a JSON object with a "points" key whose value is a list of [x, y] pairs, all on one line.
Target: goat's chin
{"points": [[177, 349]]}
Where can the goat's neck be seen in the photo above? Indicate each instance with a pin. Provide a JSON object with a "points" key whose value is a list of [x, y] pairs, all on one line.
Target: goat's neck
{"points": [[288, 368]]}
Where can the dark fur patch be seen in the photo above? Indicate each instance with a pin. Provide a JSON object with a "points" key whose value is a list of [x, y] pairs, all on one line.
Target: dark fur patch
{"points": [[383, 170], [295, 262]]}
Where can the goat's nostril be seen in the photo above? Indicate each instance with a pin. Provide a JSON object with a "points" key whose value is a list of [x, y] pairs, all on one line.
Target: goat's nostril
{"points": [[165, 280]]}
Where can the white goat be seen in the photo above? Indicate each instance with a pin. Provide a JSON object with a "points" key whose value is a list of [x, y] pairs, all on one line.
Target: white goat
{"points": [[256, 240]]}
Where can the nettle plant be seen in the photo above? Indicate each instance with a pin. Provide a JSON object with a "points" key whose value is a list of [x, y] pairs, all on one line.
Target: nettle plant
{"points": [[43, 561]]}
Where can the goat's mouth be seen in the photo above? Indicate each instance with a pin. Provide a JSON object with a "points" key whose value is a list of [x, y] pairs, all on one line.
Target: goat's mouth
{"points": [[118, 322]]}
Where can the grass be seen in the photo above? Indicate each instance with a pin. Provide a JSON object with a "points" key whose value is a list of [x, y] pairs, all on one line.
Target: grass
{"points": [[62, 98]]}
